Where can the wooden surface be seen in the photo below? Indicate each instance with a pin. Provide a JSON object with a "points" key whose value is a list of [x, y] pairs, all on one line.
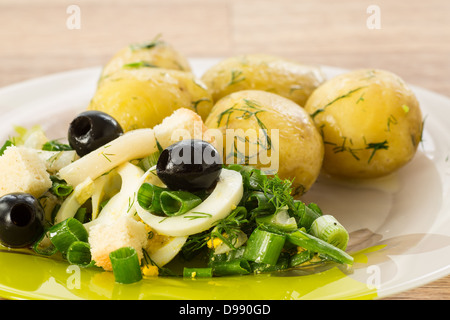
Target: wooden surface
{"points": [[412, 40]]}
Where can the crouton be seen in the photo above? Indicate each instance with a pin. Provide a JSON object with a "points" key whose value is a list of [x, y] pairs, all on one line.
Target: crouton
{"points": [[22, 170], [111, 235], [180, 125]]}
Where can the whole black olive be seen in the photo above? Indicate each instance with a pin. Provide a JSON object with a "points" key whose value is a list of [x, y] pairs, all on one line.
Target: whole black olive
{"points": [[91, 130], [189, 165], [21, 220]]}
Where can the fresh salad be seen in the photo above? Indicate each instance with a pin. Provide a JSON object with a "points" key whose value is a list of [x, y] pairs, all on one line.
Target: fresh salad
{"points": [[166, 173], [105, 205]]}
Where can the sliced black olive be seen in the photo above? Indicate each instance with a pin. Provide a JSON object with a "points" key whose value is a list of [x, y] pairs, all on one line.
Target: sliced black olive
{"points": [[91, 130], [190, 165], [21, 220]]}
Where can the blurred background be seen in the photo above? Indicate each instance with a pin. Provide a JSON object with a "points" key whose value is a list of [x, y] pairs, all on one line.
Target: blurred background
{"points": [[410, 38]]}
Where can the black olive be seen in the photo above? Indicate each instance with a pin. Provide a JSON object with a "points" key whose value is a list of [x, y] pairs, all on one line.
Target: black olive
{"points": [[21, 220], [189, 165], [91, 130]]}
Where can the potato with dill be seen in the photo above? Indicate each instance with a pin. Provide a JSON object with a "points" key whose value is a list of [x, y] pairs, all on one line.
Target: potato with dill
{"points": [[370, 121], [156, 53], [270, 73], [142, 98], [270, 132]]}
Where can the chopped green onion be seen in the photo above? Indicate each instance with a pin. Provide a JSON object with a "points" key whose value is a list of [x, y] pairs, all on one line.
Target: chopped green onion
{"points": [[54, 145], [44, 246], [63, 234], [79, 253], [197, 272], [281, 264], [280, 221], [126, 266], [60, 188], [259, 203], [175, 203], [264, 246], [252, 178], [306, 214], [149, 161], [299, 258], [8, 143], [232, 267], [330, 230], [311, 243], [139, 64], [80, 215], [148, 197]]}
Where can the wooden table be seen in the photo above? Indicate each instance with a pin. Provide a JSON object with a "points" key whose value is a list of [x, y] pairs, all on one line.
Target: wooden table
{"points": [[410, 38]]}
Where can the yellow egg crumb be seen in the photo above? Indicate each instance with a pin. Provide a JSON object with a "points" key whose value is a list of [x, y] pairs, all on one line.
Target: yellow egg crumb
{"points": [[150, 271], [213, 243]]}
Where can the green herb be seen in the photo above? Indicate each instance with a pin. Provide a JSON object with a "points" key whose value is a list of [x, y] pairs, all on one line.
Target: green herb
{"points": [[236, 77], [345, 148], [348, 94], [197, 102], [139, 64], [8, 143], [147, 45], [59, 187], [55, 145], [391, 120], [377, 146]]}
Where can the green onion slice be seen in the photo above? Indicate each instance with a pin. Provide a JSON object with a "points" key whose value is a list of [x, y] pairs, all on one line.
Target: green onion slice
{"points": [[63, 234], [60, 188], [197, 272], [79, 253], [314, 244], [264, 246], [126, 266], [330, 230], [175, 203], [306, 214], [231, 267], [148, 197], [44, 246], [299, 258], [280, 221], [150, 161]]}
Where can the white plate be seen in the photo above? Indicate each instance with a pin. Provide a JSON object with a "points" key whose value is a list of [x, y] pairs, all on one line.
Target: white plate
{"points": [[400, 225]]}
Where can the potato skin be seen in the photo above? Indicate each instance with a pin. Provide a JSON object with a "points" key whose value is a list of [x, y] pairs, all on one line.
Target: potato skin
{"points": [[370, 121], [142, 98], [274, 74], [299, 147], [152, 54]]}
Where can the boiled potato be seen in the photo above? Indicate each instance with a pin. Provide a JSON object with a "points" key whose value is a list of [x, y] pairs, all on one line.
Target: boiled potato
{"points": [[142, 98], [370, 121], [270, 132], [152, 54], [263, 72]]}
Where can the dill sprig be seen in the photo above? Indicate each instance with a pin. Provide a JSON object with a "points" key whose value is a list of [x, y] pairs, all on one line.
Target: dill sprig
{"points": [[279, 193]]}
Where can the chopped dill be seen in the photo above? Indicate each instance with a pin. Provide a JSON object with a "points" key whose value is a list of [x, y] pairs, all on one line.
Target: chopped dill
{"points": [[377, 146], [315, 113], [236, 77]]}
